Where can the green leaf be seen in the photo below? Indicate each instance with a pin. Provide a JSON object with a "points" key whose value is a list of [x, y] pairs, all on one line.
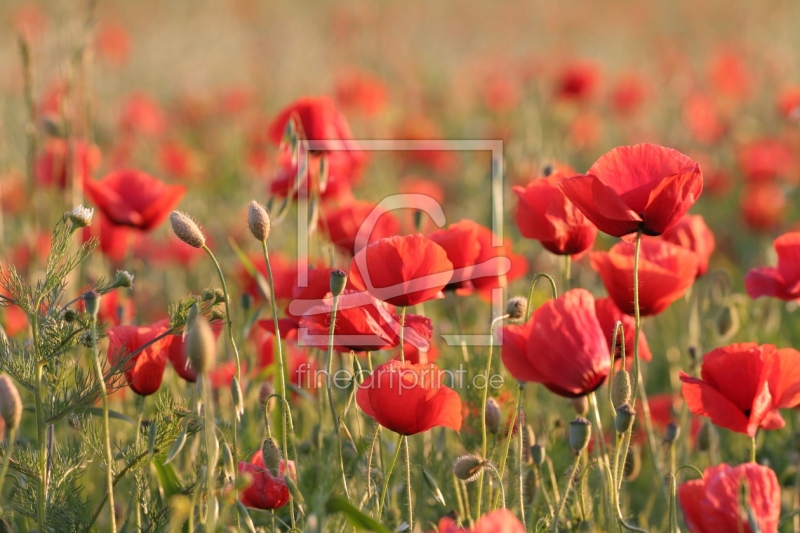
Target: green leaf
{"points": [[357, 519], [433, 486], [98, 411], [176, 448], [167, 478], [250, 268]]}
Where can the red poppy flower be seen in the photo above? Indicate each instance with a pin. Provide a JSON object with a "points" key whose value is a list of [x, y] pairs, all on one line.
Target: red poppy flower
{"points": [[362, 324], [703, 118], [134, 198], [113, 42], [562, 346], [420, 127], [495, 266], [114, 240], [284, 273], [341, 174], [728, 75], [142, 115], [460, 242], [788, 102], [644, 186], [499, 521], [113, 309], [266, 491], [402, 271], [578, 81], [762, 205], [744, 385], [782, 281], [664, 410], [14, 199], [343, 224], [501, 94], [300, 366], [412, 184], [178, 160], [222, 375], [176, 352], [145, 370], [170, 251], [712, 504], [692, 233], [408, 398], [765, 159], [362, 92], [545, 214], [665, 272], [628, 94], [607, 315], [51, 166]]}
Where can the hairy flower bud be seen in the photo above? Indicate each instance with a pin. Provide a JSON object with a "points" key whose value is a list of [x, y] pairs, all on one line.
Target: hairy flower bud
{"points": [[91, 300], [580, 431], [271, 454], [338, 282], [538, 454], [493, 416], [467, 468], [201, 345], [621, 389], [516, 308], [10, 403], [624, 418], [186, 229], [258, 220]]}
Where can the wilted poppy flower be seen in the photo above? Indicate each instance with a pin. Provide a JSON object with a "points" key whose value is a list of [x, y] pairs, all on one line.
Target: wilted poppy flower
{"points": [[134, 198], [544, 213], [765, 159], [141, 115], [363, 324], [408, 398], [642, 187], [607, 315], [744, 385], [266, 491], [782, 281], [145, 370], [51, 166], [763, 205], [665, 272], [562, 346], [712, 504], [342, 224], [692, 233], [499, 521], [402, 271]]}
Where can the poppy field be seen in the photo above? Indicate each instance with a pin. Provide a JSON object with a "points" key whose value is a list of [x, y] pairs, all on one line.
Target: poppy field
{"points": [[399, 266]]}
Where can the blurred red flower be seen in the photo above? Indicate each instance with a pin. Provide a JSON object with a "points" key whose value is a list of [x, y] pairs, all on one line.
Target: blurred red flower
{"points": [[762, 205], [145, 370], [703, 118], [765, 159], [341, 175], [266, 491], [362, 92], [561, 346], [782, 281], [114, 240], [176, 351], [645, 186], [728, 75], [408, 398], [545, 214], [499, 521], [692, 233], [142, 115], [628, 94], [712, 504], [607, 315], [51, 166], [788, 102], [664, 410], [178, 160], [578, 81], [113, 42], [402, 271], [666, 270], [133, 198], [742, 386], [343, 223]]}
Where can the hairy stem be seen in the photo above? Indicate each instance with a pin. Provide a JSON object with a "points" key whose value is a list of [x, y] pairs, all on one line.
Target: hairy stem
{"points": [[565, 497], [389, 475], [106, 432]]}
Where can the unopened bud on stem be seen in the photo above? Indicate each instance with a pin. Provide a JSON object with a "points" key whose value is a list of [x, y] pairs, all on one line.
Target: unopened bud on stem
{"points": [[271, 454], [493, 416], [91, 300], [580, 431], [10, 403], [338, 282], [187, 229], [467, 468], [516, 308], [258, 220], [201, 345]]}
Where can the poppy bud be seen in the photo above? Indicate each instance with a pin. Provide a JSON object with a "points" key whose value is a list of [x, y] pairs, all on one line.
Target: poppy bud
{"points": [[271, 453], [186, 229], [10, 403], [580, 431], [467, 468], [528, 438], [338, 282], [124, 279], [81, 217], [265, 391], [493, 416], [538, 454], [624, 418], [258, 220], [633, 463], [672, 433], [70, 315], [621, 389], [516, 308], [727, 322], [580, 404], [92, 301], [201, 346]]}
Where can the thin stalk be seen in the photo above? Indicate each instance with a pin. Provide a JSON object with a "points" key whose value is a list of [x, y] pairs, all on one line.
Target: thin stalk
{"points": [[504, 457], [570, 482], [41, 427], [484, 398], [211, 448], [533, 285], [329, 388], [139, 414], [567, 271], [229, 330], [106, 432], [389, 475], [408, 486], [673, 508], [402, 333], [285, 410], [12, 437], [753, 449], [519, 469], [489, 466]]}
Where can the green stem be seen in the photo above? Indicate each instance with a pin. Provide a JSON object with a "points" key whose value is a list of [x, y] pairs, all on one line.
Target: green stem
{"points": [[408, 486], [519, 468], [41, 427], [673, 508], [12, 437], [139, 414], [106, 432], [567, 271], [529, 308], [329, 388], [565, 497], [511, 423], [211, 448], [402, 333], [389, 475], [493, 469], [229, 329], [753, 449]]}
